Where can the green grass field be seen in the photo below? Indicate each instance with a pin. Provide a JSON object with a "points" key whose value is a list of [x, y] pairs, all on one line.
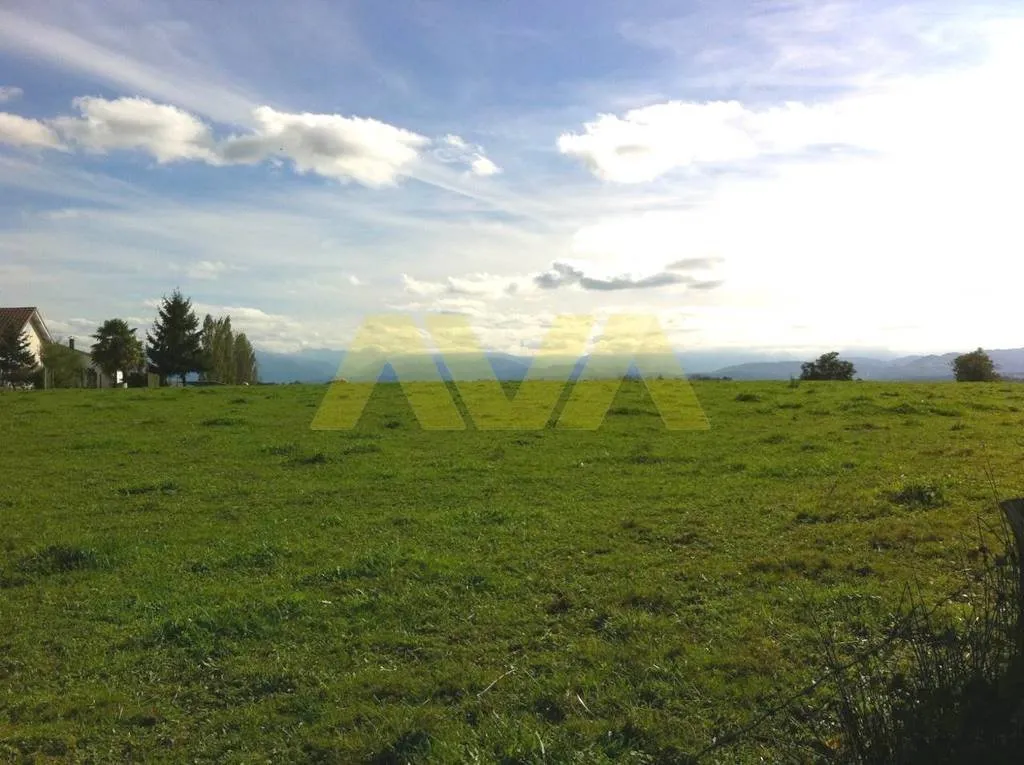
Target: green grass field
{"points": [[197, 575]]}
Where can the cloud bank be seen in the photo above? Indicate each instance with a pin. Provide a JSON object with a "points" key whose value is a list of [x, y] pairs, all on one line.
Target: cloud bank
{"points": [[363, 150]]}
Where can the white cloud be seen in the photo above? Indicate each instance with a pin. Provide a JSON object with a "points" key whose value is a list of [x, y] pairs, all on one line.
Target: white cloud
{"points": [[365, 150], [938, 115], [21, 131], [459, 305], [421, 288], [482, 285], [456, 150], [652, 140], [471, 285], [166, 132], [269, 331], [9, 93], [484, 167]]}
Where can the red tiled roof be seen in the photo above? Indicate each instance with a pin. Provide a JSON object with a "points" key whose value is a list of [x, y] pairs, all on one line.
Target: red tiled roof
{"points": [[17, 317]]}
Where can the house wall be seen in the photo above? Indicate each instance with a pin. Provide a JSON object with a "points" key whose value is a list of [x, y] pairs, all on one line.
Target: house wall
{"points": [[35, 342]]}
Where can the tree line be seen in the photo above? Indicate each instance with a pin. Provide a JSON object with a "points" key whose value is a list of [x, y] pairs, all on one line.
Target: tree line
{"points": [[176, 347], [179, 346]]}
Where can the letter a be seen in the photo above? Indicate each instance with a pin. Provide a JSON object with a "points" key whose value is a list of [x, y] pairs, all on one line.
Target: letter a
{"points": [[389, 339], [535, 399], [633, 340]]}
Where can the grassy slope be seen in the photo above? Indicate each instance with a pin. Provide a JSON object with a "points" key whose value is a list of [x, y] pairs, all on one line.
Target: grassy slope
{"points": [[196, 573]]}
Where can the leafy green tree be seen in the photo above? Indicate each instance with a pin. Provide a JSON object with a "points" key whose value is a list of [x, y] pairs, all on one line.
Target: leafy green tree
{"points": [[828, 366], [63, 365], [976, 366], [16, 357], [224, 350], [175, 347], [116, 349], [229, 358], [246, 369], [206, 345]]}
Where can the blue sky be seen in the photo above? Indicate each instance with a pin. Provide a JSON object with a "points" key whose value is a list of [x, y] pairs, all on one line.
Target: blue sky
{"points": [[781, 176]]}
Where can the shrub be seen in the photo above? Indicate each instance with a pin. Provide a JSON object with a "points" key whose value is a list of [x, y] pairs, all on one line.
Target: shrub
{"points": [[934, 689]]}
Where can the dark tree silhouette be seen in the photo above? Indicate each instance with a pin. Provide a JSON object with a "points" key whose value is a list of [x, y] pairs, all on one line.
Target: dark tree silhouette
{"points": [[175, 346], [116, 349], [976, 366], [16, 358], [828, 366]]}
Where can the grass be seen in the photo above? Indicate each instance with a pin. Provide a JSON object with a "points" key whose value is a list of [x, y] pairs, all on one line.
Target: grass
{"points": [[197, 575], [945, 685]]}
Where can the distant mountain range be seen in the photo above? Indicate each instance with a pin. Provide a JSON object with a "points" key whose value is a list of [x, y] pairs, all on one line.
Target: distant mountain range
{"points": [[1009, 362], [322, 365]]}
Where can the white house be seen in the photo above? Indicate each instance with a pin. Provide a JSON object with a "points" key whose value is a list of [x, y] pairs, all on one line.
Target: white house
{"points": [[30, 321]]}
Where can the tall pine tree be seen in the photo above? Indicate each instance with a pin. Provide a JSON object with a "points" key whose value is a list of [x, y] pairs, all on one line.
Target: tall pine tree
{"points": [[16, 358], [175, 347]]}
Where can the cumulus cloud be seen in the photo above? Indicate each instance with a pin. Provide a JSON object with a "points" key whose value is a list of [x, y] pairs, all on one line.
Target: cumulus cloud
{"points": [[451, 305], [365, 150], [566, 275], [9, 93], [16, 130], [648, 142], [275, 332], [472, 285], [166, 132], [456, 150], [421, 288], [483, 166]]}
